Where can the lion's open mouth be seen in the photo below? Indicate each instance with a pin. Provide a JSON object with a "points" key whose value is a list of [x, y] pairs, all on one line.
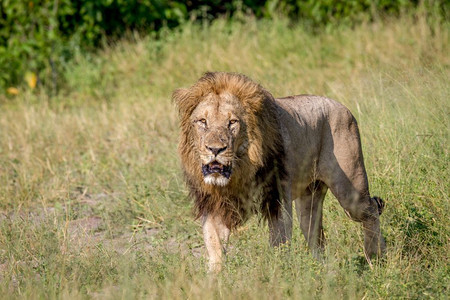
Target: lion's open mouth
{"points": [[216, 167]]}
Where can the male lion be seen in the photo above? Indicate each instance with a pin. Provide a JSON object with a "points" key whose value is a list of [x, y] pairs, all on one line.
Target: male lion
{"points": [[244, 151]]}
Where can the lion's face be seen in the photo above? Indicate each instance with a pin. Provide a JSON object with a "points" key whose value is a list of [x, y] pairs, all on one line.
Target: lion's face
{"points": [[219, 134]]}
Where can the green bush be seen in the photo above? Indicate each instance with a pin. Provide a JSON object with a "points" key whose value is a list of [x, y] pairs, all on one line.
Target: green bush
{"points": [[28, 36], [38, 37], [323, 12]]}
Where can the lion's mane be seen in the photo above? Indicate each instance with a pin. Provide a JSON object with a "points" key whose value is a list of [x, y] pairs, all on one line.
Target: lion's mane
{"points": [[255, 183]]}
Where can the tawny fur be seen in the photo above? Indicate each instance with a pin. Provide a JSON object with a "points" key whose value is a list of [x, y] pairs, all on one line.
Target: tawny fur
{"points": [[292, 148]]}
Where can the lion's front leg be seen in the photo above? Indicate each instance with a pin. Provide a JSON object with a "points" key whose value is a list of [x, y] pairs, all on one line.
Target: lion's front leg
{"points": [[215, 235], [280, 226]]}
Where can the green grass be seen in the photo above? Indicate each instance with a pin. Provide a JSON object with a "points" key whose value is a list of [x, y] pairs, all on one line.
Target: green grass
{"points": [[92, 199]]}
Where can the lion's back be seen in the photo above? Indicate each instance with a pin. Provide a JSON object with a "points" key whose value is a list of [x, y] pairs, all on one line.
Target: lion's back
{"points": [[312, 113], [309, 126], [312, 108]]}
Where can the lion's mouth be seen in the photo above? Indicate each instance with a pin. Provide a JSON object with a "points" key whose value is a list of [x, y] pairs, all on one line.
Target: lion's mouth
{"points": [[216, 168]]}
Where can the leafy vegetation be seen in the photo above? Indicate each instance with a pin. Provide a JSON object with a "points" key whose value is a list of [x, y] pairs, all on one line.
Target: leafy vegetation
{"points": [[38, 38], [92, 199]]}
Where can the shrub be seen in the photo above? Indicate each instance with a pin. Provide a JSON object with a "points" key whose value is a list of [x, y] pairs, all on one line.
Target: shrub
{"points": [[38, 37]]}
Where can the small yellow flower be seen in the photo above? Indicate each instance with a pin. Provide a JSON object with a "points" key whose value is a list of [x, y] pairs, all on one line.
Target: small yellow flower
{"points": [[12, 91], [31, 79]]}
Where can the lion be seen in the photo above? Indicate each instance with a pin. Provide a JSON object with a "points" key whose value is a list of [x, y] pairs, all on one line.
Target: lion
{"points": [[243, 151]]}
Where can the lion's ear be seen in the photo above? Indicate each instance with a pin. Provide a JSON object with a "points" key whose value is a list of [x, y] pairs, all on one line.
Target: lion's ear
{"points": [[181, 97]]}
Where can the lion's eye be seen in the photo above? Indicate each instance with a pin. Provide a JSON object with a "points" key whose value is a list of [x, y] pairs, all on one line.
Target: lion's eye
{"points": [[233, 122], [202, 121]]}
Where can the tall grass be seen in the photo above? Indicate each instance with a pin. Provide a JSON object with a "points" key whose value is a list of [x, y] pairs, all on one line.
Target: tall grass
{"points": [[92, 199]]}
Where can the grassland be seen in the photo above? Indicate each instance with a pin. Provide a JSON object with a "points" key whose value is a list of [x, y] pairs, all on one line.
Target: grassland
{"points": [[91, 195]]}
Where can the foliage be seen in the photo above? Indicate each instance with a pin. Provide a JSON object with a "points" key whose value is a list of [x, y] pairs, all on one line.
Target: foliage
{"points": [[41, 36], [28, 32]]}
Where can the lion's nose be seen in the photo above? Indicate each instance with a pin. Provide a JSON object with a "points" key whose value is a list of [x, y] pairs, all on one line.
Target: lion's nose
{"points": [[216, 151]]}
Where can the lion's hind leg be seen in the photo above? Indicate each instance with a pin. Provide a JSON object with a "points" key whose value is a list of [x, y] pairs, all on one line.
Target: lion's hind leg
{"points": [[350, 187], [341, 167], [374, 243], [309, 212]]}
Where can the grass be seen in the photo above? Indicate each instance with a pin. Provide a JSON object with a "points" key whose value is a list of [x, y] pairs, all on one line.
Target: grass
{"points": [[92, 199]]}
